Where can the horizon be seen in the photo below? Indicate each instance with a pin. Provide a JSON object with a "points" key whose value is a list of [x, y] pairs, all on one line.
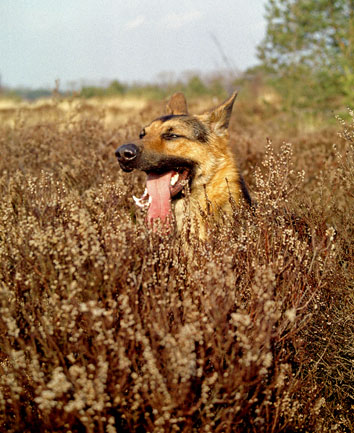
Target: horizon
{"points": [[164, 78]]}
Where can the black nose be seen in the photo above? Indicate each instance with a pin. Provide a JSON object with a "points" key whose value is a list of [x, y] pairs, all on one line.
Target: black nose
{"points": [[127, 152]]}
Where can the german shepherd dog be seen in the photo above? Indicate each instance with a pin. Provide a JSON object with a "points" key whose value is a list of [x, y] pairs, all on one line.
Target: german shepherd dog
{"points": [[180, 152]]}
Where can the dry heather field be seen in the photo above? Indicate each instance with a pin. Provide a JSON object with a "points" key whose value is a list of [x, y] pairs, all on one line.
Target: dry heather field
{"points": [[106, 327]]}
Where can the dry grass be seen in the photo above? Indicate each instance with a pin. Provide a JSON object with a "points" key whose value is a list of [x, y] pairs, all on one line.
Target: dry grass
{"points": [[106, 327]]}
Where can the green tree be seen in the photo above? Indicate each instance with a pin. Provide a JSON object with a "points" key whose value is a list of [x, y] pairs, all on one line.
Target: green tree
{"points": [[309, 49], [116, 88], [92, 91], [196, 86]]}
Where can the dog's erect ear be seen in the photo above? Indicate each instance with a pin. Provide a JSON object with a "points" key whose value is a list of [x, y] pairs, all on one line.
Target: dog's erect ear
{"points": [[177, 104], [219, 118]]}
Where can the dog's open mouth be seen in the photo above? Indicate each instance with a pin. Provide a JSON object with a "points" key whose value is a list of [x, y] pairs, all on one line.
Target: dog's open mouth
{"points": [[160, 189]]}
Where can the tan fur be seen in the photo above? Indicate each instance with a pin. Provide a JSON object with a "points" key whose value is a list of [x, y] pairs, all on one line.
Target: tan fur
{"points": [[177, 104], [216, 174]]}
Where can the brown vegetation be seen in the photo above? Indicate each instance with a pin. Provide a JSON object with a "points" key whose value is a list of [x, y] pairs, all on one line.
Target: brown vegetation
{"points": [[107, 327]]}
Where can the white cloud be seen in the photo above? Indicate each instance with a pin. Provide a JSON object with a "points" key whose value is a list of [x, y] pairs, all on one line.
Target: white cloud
{"points": [[177, 20], [137, 22]]}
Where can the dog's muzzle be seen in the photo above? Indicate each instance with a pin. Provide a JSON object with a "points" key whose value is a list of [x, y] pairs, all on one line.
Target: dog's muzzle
{"points": [[127, 155]]}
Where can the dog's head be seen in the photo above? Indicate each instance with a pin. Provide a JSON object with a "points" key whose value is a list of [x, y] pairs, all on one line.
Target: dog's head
{"points": [[175, 150]]}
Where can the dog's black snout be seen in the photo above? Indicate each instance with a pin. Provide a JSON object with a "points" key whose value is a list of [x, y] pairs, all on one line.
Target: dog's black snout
{"points": [[127, 152]]}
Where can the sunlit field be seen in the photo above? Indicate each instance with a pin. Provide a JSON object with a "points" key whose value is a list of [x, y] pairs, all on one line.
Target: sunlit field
{"points": [[107, 327]]}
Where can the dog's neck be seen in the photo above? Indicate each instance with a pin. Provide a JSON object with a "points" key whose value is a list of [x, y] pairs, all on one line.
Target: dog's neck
{"points": [[211, 197]]}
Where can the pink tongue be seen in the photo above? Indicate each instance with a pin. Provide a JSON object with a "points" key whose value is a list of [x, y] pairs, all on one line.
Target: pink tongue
{"points": [[158, 186]]}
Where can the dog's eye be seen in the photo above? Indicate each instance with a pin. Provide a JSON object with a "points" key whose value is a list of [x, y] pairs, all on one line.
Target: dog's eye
{"points": [[142, 134], [170, 136]]}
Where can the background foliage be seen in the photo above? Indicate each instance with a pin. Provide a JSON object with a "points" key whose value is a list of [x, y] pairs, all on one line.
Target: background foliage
{"points": [[309, 50]]}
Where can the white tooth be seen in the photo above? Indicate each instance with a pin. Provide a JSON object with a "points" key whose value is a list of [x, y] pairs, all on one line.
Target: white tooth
{"points": [[174, 179], [142, 202], [137, 201]]}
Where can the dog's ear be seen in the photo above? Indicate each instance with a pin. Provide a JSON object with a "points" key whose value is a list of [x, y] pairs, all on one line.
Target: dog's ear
{"points": [[177, 104], [219, 118]]}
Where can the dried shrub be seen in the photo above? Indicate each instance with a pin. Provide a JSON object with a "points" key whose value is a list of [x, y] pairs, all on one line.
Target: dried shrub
{"points": [[108, 327]]}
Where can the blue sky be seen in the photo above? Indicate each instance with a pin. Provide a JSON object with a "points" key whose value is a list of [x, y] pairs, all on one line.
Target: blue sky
{"points": [[128, 40]]}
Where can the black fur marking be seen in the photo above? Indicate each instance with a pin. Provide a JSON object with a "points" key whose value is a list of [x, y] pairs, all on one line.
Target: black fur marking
{"points": [[199, 130], [170, 116], [245, 193], [158, 163]]}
